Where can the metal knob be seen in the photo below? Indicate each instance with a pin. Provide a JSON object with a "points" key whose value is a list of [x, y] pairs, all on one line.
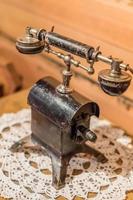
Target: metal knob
{"points": [[84, 134]]}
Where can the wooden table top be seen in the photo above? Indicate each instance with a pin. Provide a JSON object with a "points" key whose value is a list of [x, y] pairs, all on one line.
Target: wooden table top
{"points": [[14, 103]]}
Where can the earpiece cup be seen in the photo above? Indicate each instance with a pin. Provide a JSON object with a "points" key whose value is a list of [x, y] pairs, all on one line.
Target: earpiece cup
{"points": [[29, 45], [114, 86]]}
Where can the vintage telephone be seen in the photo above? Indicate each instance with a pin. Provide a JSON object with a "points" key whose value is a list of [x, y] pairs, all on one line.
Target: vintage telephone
{"points": [[60, 116]]}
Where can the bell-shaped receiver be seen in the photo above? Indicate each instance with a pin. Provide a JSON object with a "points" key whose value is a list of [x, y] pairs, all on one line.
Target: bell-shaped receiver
{"points": [[29, 45], [112, 84]]}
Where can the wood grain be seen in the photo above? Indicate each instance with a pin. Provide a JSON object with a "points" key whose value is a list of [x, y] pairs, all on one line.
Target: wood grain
{"points": [[13, 103], [96, 22], [97, 18]]}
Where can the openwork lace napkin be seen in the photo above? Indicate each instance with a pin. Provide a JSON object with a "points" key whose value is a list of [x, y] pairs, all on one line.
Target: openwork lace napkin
{"points": [[27, 174]]}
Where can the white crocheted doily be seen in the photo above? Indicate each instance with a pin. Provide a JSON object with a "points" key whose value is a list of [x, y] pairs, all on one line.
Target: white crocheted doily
{"points": [[27, 174]]}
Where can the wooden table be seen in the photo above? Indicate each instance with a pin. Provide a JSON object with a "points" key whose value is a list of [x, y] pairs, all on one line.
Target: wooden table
{"points": [[14, 103]]}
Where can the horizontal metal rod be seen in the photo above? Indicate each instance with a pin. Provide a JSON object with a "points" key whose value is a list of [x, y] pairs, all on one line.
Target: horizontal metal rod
{"points": [[110, 60], [73, 46], [73, 61]]}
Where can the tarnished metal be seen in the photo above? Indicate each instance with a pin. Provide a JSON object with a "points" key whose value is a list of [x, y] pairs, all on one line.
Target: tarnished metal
{"points": [[60, 123], [29, 45], [60, 116], [47, 39], [114, 81], [69, 45]]}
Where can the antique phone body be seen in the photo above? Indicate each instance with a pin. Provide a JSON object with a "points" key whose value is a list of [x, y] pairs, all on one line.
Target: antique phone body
{"points": [[60, 120]]}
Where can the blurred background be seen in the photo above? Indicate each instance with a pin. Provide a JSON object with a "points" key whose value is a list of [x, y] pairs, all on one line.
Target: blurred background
{"points": [[95, 22]]}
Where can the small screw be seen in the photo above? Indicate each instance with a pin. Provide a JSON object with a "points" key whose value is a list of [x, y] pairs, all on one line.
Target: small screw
{"points": [[91, 136]]}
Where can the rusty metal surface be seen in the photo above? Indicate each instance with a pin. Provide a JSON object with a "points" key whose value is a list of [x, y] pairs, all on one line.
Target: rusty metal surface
{"points": [[60, 123], [61, 117], [58, 107], [70, 45], [111, 81]]}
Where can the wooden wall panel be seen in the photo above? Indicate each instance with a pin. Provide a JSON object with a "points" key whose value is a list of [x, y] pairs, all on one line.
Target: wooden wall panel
{"points": [[96, 22]]}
